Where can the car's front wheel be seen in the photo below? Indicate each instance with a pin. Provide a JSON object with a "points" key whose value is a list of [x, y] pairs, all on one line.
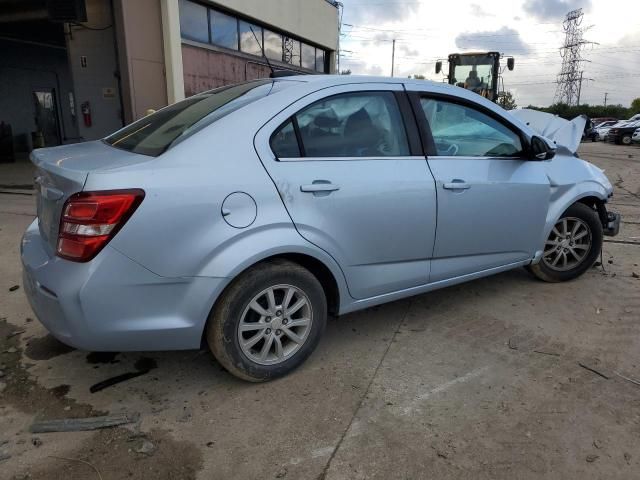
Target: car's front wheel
{"points": [[268, 321], [572, 246], [626, 139]]}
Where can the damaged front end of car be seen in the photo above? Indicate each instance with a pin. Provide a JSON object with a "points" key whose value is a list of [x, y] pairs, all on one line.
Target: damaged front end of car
{"points": [[569, 176]]}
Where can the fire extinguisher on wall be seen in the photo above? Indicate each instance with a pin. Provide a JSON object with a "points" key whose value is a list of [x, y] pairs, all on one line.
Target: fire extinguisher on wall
{"points": [[85, 108]]}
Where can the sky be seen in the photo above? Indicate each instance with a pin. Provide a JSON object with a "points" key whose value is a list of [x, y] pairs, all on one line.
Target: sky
{"points": [[529, 30]]}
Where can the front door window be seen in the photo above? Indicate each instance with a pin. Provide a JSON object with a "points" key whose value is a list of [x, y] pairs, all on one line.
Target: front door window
{"points": [[461, 131]]}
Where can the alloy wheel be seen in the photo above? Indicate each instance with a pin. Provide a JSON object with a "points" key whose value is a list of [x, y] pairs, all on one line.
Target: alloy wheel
{"points": [[275, 324], [568, 244]]}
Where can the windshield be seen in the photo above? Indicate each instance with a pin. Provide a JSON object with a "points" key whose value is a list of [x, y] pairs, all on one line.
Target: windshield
{"points": [[156, 133], [475, 73]]}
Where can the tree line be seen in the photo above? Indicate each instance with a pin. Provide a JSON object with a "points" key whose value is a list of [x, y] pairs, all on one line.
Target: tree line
{"points": [[591, 111]]}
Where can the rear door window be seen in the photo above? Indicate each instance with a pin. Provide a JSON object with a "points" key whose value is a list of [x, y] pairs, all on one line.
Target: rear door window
{"points": [[155, 133], [284, 142], [359, 124]]}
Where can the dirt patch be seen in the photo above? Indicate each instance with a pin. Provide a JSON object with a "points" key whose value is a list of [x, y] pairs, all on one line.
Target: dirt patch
{"points": [[95, 358], [23, 393], [60, 391], [120, 454], [45, 348]]}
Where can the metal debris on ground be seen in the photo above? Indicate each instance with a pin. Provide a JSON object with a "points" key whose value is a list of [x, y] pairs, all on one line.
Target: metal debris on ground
{"points": [[637, 382], [79, 461], [554, 354], [586, 367], [14, 288], [83, 424], [146, 447], [143, 366]]}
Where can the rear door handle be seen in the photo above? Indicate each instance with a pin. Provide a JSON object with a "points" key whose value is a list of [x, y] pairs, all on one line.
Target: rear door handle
{"points": [[319, 187], [456, 185]]}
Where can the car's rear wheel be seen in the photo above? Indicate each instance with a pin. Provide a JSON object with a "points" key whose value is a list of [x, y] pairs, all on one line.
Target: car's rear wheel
{"points": [[572, 246], [626, 140], [268, 321]]}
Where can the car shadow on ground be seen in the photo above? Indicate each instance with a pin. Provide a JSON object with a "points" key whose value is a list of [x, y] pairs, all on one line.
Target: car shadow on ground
{"points": [[103, 373]]}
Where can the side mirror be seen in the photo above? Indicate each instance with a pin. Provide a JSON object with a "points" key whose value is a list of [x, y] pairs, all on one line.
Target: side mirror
{"points": [[438, 66], [540, 150], [511, 62]]}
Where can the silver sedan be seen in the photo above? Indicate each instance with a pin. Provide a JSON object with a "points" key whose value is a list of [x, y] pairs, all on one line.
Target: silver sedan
{"points": [[243, 216]]}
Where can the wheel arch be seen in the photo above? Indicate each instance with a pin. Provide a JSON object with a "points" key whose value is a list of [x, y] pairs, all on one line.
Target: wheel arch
{"points": [[588, 193], [331, 282]]}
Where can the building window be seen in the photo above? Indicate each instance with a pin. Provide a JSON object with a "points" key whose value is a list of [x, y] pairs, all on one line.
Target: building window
{"points": [[273, 45], [308, 56], [320, 64], [250, 38], [194, 21], [206, 25], [224, 30], [291, 51]]}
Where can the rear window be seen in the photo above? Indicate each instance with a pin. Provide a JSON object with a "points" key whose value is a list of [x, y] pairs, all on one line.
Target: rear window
{"points": [[156, 133]]}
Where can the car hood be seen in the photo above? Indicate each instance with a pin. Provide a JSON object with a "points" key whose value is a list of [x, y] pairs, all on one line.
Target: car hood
{"points": [[559, 131]]}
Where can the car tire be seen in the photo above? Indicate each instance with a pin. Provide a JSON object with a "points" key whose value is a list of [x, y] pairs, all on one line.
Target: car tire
{"points": [[255, 302], [565, 242], [626, 140]]}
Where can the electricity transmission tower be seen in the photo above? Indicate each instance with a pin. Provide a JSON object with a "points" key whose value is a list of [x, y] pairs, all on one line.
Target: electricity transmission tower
{"points": [[569, 79]]}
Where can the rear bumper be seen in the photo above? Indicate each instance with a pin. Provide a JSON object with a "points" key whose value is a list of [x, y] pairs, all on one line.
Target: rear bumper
{"points": [[113, 303]]}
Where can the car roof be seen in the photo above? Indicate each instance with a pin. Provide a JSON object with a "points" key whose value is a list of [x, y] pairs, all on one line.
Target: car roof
{"points": [[321, 80], [351, 79], [318, 81]]}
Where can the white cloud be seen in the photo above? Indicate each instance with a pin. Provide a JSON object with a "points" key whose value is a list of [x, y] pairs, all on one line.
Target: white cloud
{"points": [[427, 30], [554, 9]]}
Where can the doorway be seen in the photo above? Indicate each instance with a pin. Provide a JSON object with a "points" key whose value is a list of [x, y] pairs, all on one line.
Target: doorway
{"points": [[47, 132]]}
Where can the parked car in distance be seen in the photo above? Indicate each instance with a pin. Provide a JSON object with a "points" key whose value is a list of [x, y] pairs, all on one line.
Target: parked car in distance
{"points": [[594, 134], [600, 120], [621, 134], [242, 216], [603, 131], [636, 136]]}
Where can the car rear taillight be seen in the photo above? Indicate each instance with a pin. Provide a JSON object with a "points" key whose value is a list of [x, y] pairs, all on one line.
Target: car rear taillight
{"points": [[90, 219]]}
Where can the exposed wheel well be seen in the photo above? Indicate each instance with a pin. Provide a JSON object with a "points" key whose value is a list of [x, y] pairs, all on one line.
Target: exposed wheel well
{"points": [[597, 205]]}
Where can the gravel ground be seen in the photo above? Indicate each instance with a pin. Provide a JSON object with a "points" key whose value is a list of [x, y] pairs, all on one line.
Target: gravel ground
{"points": [[505, 377]]}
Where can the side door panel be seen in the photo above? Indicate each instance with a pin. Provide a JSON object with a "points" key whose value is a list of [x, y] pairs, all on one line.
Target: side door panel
{"points": [[377, 215], [495, 222], [491, 209]]}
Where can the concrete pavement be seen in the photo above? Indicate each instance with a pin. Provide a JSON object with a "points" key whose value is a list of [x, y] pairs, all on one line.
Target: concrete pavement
{"points": [[481, 380]]}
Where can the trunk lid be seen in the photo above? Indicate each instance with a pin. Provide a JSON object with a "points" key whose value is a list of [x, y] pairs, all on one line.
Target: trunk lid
{"points": [[63, 171]]}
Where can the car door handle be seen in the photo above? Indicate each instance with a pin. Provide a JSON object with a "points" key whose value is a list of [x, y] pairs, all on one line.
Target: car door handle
{"points": [[319, 187], [456, 185]]}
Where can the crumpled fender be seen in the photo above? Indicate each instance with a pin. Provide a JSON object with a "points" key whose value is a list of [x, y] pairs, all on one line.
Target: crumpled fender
{"points": [[557, 130], [570, 180]]}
